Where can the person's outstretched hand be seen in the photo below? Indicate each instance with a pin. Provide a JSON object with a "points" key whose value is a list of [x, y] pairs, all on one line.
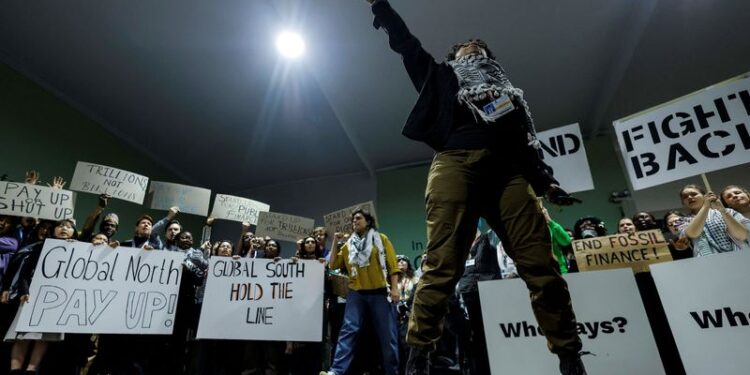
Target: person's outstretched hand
{"points": [[560, 197]]}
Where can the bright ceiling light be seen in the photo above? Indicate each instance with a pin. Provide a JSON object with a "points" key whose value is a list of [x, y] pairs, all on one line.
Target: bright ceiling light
{"points": [[290, 44]]}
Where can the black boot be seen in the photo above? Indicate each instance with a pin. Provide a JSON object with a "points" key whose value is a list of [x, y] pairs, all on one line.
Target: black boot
{"points": [[571, 364], [418, 363]]}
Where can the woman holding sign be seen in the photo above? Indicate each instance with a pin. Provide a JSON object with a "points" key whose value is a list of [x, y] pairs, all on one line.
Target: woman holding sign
{"points": [[370, 260], [15, 284], [712, 227]]}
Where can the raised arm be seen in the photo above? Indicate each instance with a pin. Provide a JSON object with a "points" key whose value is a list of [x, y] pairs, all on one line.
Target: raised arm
{"points": [[417, 61], [88, 226]]}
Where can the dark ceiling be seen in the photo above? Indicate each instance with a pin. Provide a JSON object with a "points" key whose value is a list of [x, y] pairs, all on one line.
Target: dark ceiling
{"points": [[199, 87]]}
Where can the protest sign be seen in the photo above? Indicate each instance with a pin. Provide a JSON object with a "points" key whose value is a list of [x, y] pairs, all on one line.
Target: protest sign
{"points": [[81, 288], [341, 220], [612, 324], [101, 179], [635, 250], [25, 200], [701, 132], [563, 150], [259, 299], [240, 209], [707, 305], [190, 199], [283, 227]]}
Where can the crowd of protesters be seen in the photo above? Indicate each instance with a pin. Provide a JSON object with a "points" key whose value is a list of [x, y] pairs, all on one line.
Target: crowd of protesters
{"points": [[364, 326]]}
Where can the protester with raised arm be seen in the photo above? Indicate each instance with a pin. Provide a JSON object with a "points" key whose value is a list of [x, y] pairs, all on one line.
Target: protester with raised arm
{"points": [[370, 260], [486, 163]]}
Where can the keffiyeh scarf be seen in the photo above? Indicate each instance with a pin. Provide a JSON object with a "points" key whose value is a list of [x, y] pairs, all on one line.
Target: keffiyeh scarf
{"points": [[360, 250], [481, 80]]}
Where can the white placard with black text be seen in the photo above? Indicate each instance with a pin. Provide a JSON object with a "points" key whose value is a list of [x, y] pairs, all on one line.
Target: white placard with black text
{"points": [[612, 324], [81, 288], [101, 179], [37, 201], [563, 150], [259, 299], [701, 132], [708, 307]]}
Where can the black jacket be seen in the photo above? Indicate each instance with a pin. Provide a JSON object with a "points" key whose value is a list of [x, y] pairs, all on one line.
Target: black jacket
{"points": [[432, 118], [482, 266]]}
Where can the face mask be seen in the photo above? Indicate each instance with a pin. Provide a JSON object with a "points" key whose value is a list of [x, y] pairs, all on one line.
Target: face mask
{"points": [[588, 233]]}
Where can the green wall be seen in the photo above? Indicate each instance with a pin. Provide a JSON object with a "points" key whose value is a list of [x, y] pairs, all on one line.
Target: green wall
{"points": [[401, 198], [42, 132]]}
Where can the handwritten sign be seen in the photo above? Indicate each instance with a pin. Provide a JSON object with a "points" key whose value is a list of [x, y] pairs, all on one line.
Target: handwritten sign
{"points": [[191, 200], [259, 299], [636, 250], [81, 288], [240, 209], [283, 227], [101, 179], [341, 220], [37, 201]]}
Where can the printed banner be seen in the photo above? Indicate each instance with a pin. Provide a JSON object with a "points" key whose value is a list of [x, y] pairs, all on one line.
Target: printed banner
{"points": [[17, 199], [190, 199], [341, 220], [259, 299], [707, 305], [702, 132], [240, 209], [635, 250], [562, 149], [81, 288], [283, 227], [101, 179], [612, 324]]}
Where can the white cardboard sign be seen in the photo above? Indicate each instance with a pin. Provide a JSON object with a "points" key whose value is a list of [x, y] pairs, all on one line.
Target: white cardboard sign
{"points": [[563, 150], [190, 199], [101, 179], [612, 324], [240, 209], [707, 304], [81, 288], [259, 299], [17, 199], [701, 132]]}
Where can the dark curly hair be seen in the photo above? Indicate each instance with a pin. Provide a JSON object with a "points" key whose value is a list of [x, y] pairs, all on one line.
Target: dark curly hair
{"points": [[480, 43]]}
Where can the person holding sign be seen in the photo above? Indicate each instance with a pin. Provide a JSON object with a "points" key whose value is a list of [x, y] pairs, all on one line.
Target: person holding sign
{"points": [[487, 162], [15, 291], [370, 260], [712, 227]]}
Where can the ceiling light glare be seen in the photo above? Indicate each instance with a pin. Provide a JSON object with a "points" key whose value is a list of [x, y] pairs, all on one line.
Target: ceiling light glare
{"points": [[290, 45]]}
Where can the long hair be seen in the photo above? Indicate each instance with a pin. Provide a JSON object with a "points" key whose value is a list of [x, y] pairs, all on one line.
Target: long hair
{"points": [[302, 254]]}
